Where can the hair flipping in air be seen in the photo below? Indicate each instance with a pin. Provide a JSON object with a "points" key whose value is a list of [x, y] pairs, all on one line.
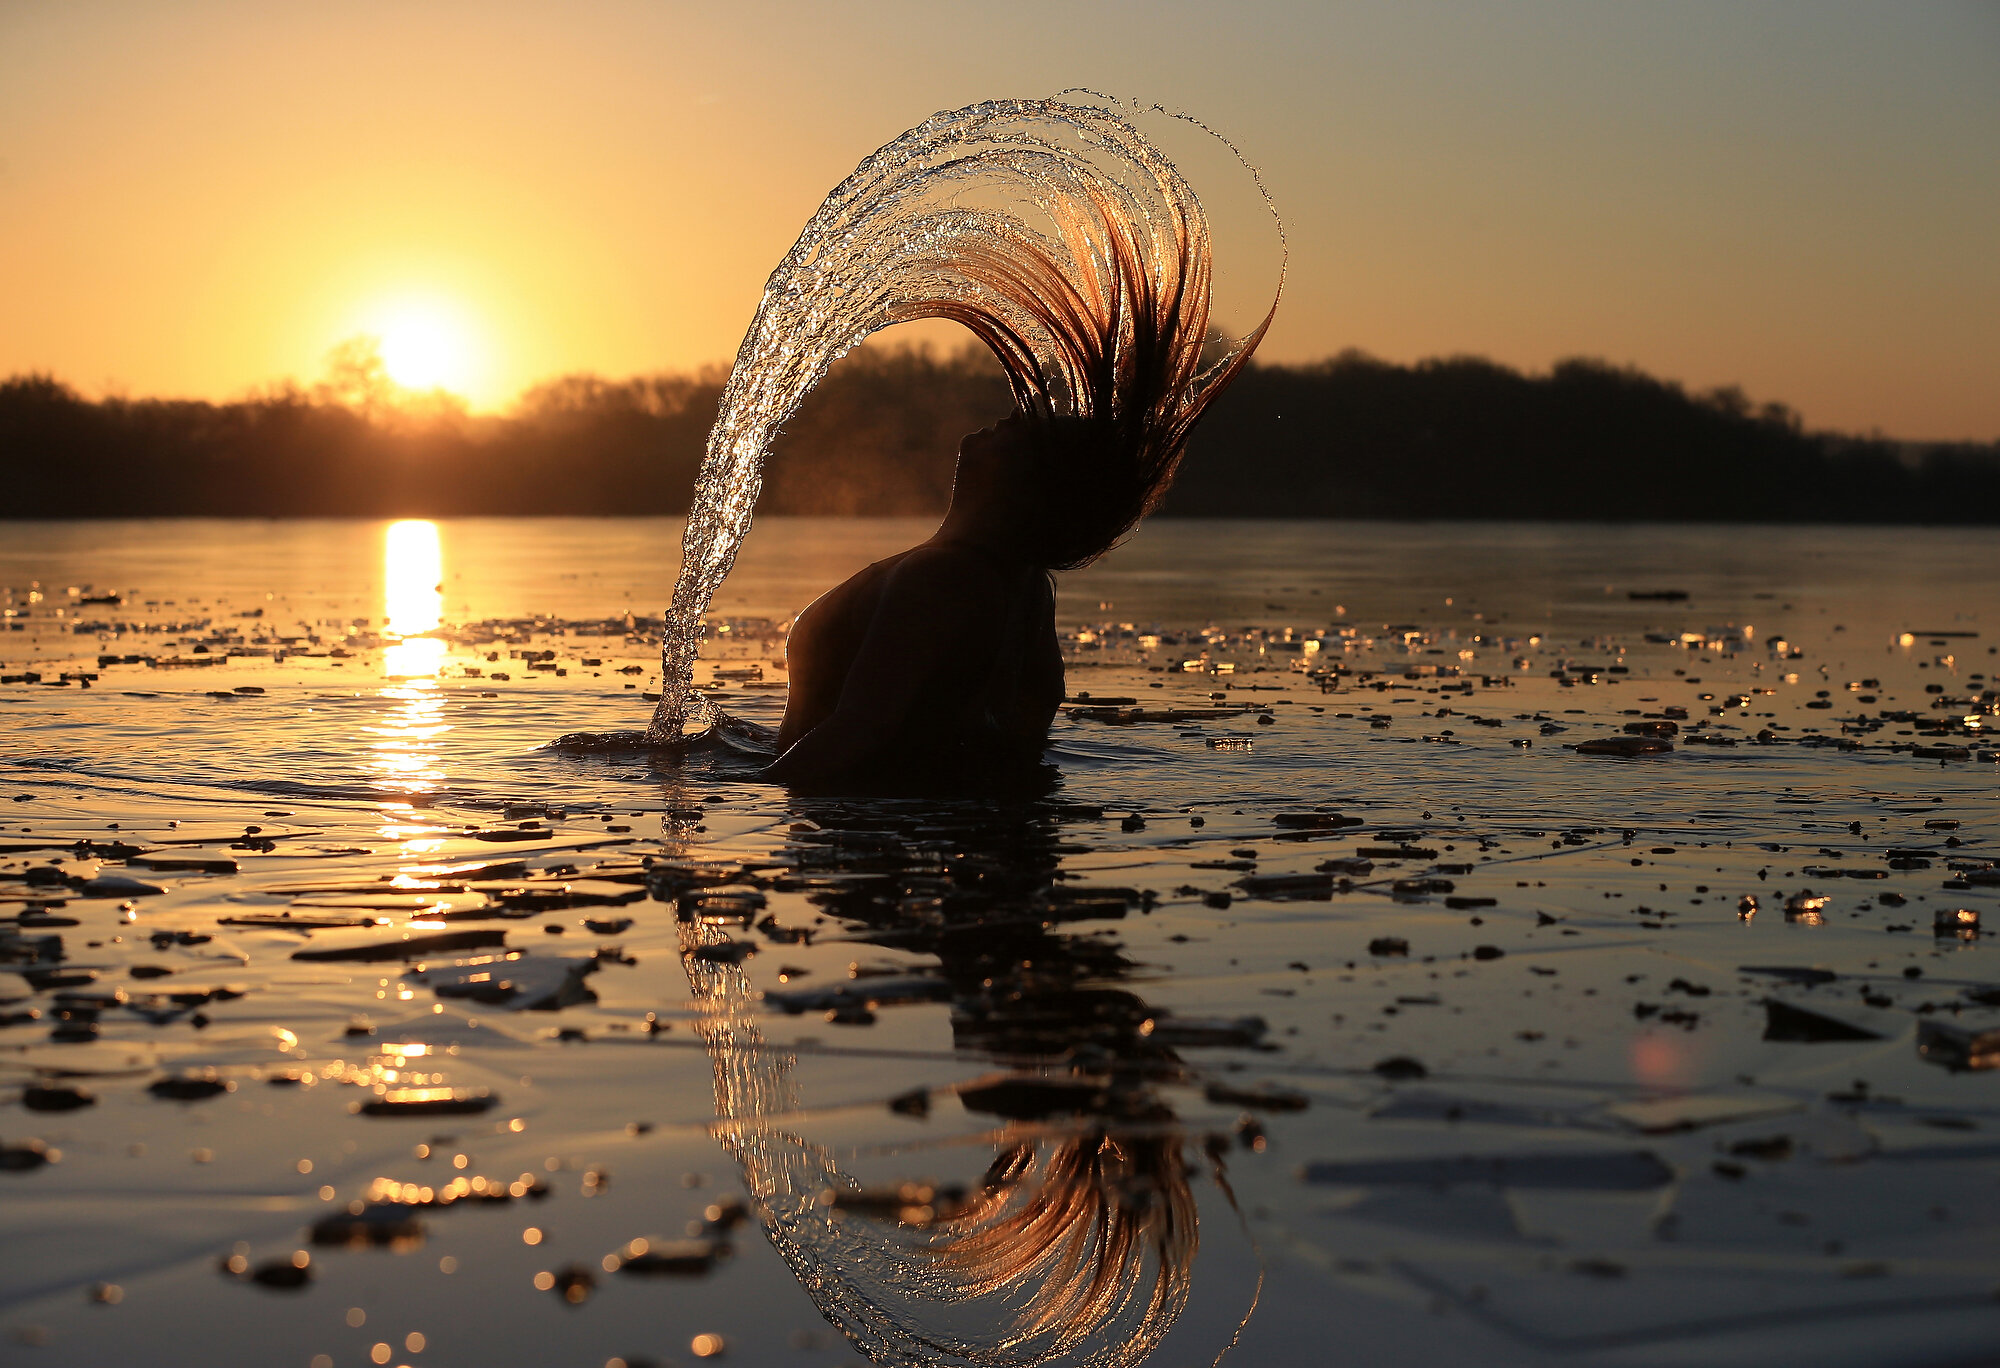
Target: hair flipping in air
{"points": [[1100, 327]]}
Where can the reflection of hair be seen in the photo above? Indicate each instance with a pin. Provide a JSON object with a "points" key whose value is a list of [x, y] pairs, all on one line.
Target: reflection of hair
{"points": [[1072, 1243], [1121, 308]]}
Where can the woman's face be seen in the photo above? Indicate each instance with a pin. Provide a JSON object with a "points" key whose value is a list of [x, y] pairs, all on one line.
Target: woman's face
{"points": [[1010, 434], [993, 461]]}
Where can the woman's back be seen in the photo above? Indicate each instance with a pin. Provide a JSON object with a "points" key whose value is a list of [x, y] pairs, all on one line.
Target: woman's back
{"points": [[941, 664]]}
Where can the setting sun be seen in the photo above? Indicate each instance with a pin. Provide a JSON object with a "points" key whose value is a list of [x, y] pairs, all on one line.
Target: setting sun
{"points": [[426, 345]]}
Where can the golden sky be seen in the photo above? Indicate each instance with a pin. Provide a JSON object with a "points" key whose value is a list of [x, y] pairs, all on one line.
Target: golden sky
{"points": [[197, 198]]}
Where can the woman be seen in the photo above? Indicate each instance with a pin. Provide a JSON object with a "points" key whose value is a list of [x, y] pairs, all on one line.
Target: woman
{"points": [[938, 667], [1063, 240]]}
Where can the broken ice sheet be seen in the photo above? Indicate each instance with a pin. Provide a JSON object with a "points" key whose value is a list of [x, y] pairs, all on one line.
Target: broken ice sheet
{"points": [[1752, 1247], [1570, 1170], [1958, 1047], [1455, 1213], [1789, 1022], [1657, 1116], [444, 1031], [520, 982], [1425, 1105]]}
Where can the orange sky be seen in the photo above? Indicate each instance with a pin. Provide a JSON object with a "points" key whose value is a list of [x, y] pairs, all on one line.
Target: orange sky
{"points": [[197, 198]]}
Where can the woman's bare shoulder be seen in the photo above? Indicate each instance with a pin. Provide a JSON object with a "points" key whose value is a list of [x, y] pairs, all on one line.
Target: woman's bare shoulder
{"points": [[858, 591], [932, 583], [955, 568]]}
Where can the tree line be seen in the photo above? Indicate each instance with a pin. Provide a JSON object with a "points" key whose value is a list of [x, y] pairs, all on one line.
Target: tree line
{"points": [[1351, 436]]}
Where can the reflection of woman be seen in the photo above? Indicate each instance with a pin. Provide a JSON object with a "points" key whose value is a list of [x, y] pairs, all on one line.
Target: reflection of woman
{"points": [[938, 668], [1078, 1244]]}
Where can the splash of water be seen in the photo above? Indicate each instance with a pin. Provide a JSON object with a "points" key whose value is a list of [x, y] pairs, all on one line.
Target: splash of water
{"points": [[952, 219]]}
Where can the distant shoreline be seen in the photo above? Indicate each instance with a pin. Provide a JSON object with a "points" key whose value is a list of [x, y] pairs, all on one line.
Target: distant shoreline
{"points": [[1458, 440], [1330, 519]]}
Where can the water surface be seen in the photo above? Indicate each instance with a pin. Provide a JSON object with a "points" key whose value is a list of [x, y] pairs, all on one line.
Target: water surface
{"points": [[1548, 1107]]}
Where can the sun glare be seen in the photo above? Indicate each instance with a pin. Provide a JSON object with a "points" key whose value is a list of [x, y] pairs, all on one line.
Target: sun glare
{"points": [[413, 598], [427, 345]]}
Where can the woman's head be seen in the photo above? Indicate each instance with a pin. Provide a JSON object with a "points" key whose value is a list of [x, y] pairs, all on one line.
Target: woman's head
{"points": [[1060, 490], [1102, 345]]}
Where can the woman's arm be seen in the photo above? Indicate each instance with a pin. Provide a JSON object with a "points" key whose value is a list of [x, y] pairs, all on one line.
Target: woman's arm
{"points": [[930, 631]]}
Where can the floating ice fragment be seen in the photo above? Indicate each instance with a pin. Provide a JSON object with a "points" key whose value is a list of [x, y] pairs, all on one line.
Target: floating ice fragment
{"points": [[1791, 974], [520, 981], [1569, 1171], [184, 860], [1786, 1022], [1625, 746], [1693, 1111], [869, 992], [1962, 922], [26, 1156], [408, 948], [118, 886], [189, 1087], [673, 1258], [1958, 1047], [430, 1102], [573, 1283], [392, 1225], [1265, 1096], [1397, 1068], [1031, 1097], [1287, 886], [287, 1274], [1192, 1033], [55, 1097], [910, 1204]]}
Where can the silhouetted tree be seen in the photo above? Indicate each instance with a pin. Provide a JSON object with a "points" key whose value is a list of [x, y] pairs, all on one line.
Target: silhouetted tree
{"points": [[1352, 436]]}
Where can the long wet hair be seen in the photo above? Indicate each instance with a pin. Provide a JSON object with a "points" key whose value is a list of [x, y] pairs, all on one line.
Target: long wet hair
{"points": [[1099, 1229], [1124, 322]]}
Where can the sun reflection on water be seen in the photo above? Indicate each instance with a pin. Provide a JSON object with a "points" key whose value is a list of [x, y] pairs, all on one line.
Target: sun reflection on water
{"points": [[405, 753], [412, 598], [404, 747]]}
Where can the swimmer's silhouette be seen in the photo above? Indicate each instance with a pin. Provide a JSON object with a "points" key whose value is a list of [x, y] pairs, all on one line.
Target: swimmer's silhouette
{"points": [[1072, 248], [938, 669]]}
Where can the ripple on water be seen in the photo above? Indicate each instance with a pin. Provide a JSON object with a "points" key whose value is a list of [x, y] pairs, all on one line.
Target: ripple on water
{"points": [[1557, 983]]}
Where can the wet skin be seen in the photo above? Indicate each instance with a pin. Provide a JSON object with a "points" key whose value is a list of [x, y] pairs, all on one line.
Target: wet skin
{"points": [[935, 663]]}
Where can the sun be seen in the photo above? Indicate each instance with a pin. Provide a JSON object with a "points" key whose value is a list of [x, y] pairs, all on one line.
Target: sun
{"points": [[427, 345]]}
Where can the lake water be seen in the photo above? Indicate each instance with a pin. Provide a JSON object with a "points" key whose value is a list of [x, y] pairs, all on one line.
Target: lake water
{"points": [[1341, 1002]]}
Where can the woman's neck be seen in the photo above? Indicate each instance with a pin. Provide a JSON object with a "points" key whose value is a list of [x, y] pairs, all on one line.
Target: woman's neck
{"points": [[978, 529]]}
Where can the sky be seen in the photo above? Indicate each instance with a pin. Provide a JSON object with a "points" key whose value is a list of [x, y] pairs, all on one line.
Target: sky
{"points": [[1799, 197]]}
